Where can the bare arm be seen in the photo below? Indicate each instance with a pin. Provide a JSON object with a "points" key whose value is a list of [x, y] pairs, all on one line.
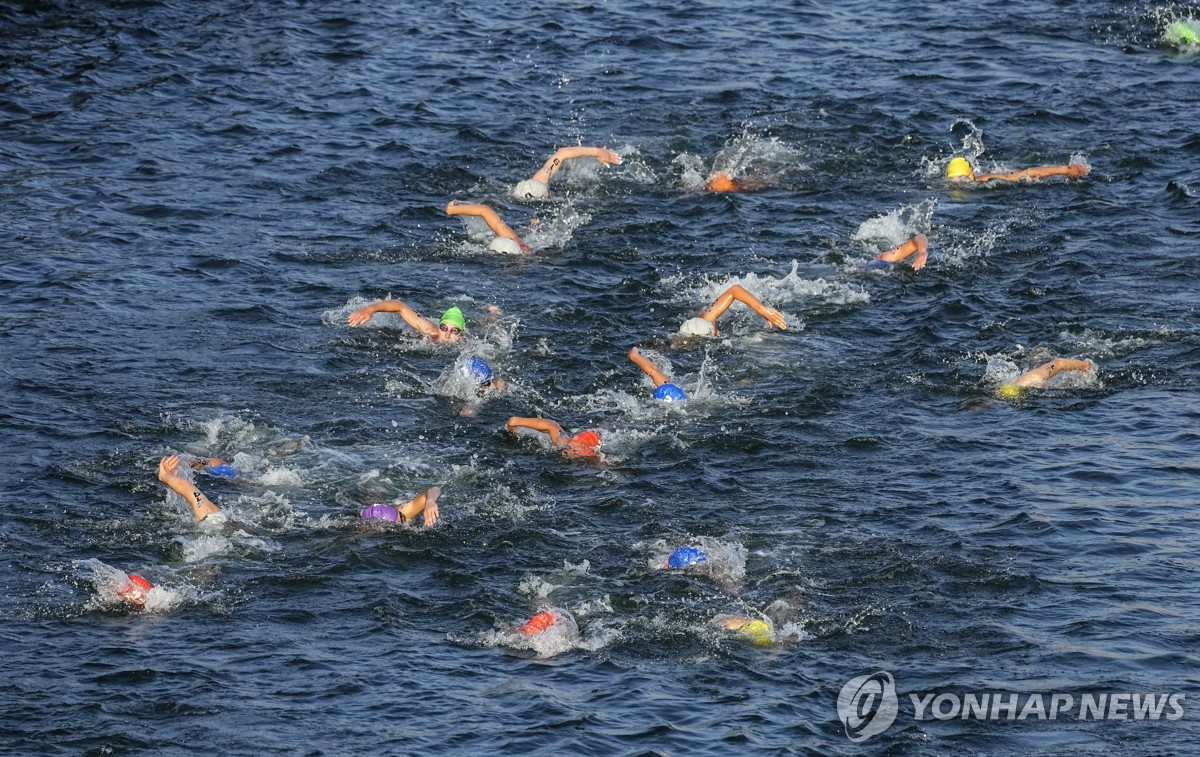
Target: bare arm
{"points": [[490, 217], [200, 504], [1072, 171], [424, 503], [918, 244], [1043, 373], [410, 316], [555, 161], [545, 425], [648, 368], [736, 292]]}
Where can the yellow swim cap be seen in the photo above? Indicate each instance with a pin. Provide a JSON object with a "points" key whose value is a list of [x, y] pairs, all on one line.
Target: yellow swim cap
{"points": [[757, 632], [1009, 391], [958, 168]]}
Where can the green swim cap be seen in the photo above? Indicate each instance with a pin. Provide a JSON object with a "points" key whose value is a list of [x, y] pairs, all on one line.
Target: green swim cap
{"points": [[1184, 32], [454, 317], [1009, 391]]}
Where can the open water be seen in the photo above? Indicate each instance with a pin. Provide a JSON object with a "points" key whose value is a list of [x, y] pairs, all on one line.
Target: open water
{"points": [[195, 196]]}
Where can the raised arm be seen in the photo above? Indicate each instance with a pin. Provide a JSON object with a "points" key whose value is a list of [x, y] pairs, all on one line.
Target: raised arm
{"points": [[1043, 373], [490, 217], [918, 244], [1072, 171], [410, 316], [545, 425], [425, 504], [200, 504], [648, 368], [736, 292], [555, 161]]}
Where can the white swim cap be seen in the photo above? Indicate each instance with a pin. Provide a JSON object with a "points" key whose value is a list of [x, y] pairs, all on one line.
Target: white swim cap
{"points": [[505, 245], [697, 327], [530, 189]]}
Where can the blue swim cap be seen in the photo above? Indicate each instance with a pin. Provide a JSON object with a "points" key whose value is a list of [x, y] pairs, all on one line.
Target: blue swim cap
{"points": [[668, 392], [478, 370], [383, 512], [227, 471], [685, 556]]}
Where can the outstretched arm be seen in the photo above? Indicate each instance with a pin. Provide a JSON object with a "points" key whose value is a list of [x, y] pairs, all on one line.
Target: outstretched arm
{"points": [[648, 368], [424, 503], [555, 161], [1072, 171], [545, 425], [410, 316], [201, 506], [490, 217], [1043, 373], [736, 292], [918, 244]]}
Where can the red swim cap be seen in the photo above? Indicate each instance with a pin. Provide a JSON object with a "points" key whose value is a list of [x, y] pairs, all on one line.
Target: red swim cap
{"points": [[539, 623], [587, 439], [720, 182], [134, 591]]}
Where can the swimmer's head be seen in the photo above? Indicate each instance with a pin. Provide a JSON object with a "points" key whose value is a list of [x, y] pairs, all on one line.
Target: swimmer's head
{"points": [[1008, 391], [960, 168], [583, 444], [506, 246], [1183, 33], [756, 632], [719, 181], [530, 189], [668, 392], [698, 327], [685, 556], [587, 439], [135, 589], [539, 623], [381, 512], [224, 471], [477, 370], [451, 325]]}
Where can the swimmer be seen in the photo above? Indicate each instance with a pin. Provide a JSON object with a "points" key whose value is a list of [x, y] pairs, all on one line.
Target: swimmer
{"points": [[482, 373], [960, 169], [536, 187], [1037, 377], [583, 444], [663, 388], [201, 506], [722, 181], [918, 244], [685, 557], [134, 590], [757, 632], [539, 623], [424, 504], [1182, 33], [213, 466], [705, 324], [506, 240], [449, 328]]}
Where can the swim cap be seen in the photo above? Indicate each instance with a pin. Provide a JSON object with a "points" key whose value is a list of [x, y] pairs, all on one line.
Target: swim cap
{"points": [[586, 438], [226, 471], [506, 246], [756, 631], [1009, 391], [697, 327], [539, 622], [685, 556], [478, 370], [958, 168], [134, 591], [383, 512], [720, 182], [530, 189], [1183, 32], [454, 317], [668, 392]]}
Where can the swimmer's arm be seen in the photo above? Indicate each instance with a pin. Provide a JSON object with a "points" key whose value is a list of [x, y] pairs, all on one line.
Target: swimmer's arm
{"points": [[410, 316], [425, 504], [918, 244], [200, 504], [545, 425], [490, 217], [648, 368], [555, 161], [1043, 373], [737, 292], [1072, 171]]}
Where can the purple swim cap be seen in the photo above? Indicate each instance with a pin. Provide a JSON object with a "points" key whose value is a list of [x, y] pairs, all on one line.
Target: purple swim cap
{"points": [[384, 512]]}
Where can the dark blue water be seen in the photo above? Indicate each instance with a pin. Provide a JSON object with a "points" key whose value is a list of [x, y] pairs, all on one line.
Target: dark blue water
{"points": [[195, 196]]}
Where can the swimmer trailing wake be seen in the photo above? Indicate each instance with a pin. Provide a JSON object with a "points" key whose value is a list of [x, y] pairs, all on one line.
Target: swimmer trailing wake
{"points": [[537, 186]]}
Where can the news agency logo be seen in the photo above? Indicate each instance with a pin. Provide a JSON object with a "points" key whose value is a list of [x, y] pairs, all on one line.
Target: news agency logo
{"points": [[868, 705]]}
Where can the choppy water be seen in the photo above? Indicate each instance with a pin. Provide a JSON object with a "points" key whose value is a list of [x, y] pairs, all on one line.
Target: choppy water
{"points": [[195, 196]]}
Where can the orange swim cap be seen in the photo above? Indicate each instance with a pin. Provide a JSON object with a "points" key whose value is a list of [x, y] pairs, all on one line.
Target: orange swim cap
{"points": [[720, 182], [539, 622], [134, 591], [586, 438]]}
